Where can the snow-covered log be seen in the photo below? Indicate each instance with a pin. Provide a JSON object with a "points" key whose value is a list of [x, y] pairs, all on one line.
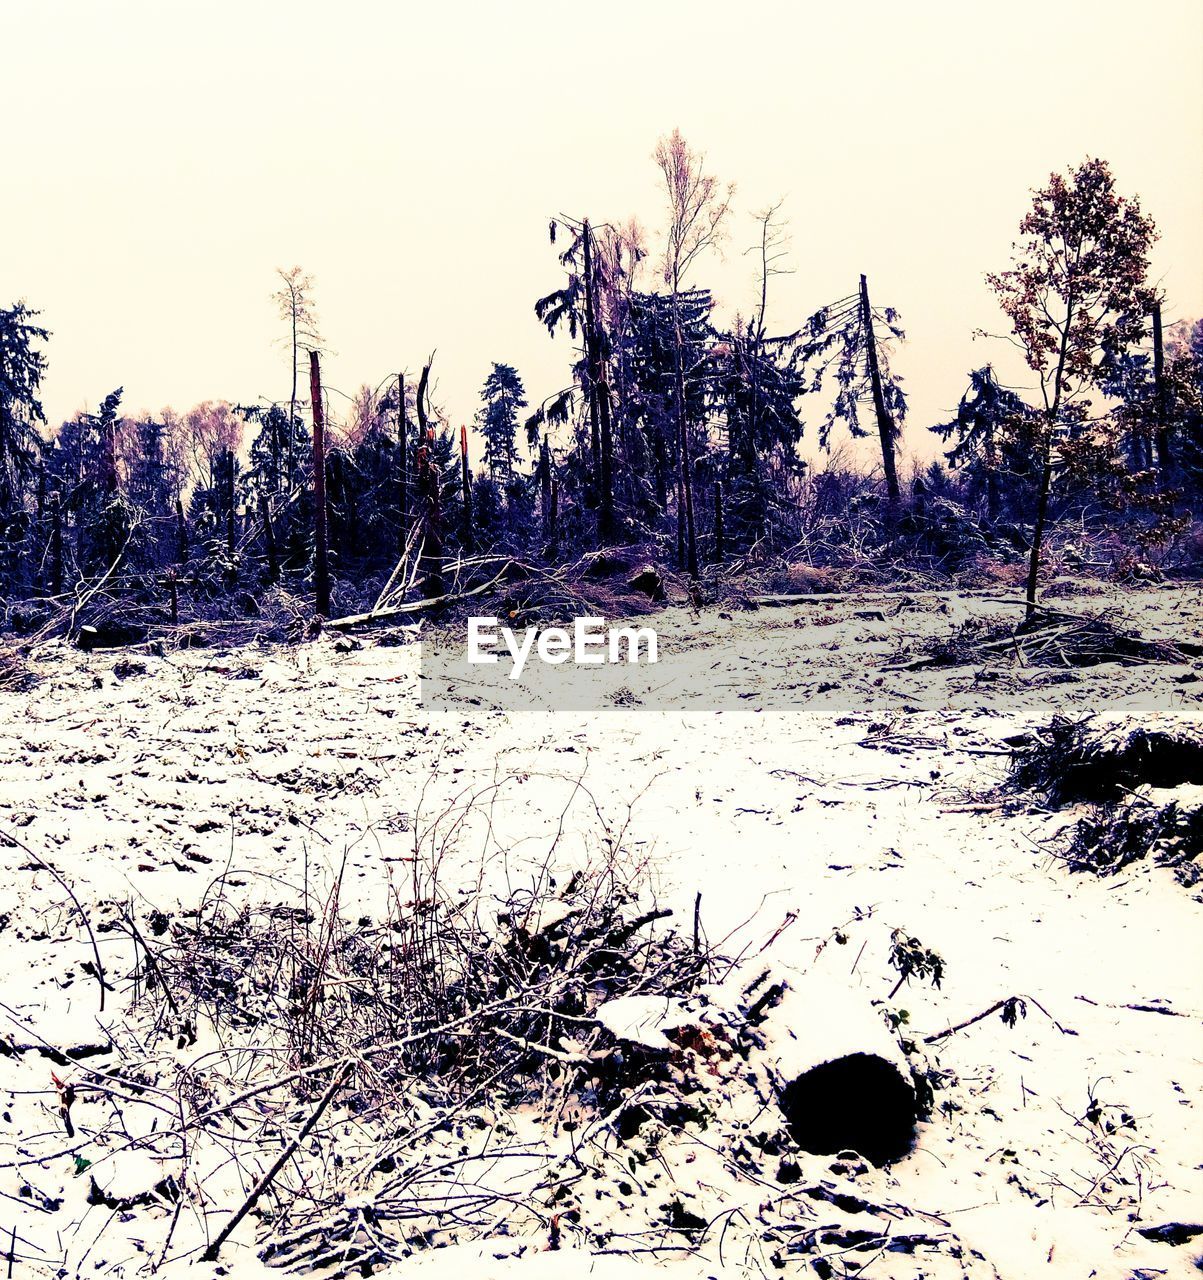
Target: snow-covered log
{"points": [[843, 1081]]}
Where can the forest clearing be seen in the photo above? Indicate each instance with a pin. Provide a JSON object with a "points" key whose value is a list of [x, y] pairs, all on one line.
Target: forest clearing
{"points": [[601, 641], [276, 788]]}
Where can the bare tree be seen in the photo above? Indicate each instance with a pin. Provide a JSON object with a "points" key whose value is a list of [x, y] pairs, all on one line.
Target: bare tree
{"points": [[294, 301], [772, 248], [697, 209], [193, 441]]}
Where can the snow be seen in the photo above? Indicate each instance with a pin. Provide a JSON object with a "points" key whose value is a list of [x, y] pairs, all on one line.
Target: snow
{"points": [[841, 801], [824, 1015], [642, 1020], [532, 1260]]}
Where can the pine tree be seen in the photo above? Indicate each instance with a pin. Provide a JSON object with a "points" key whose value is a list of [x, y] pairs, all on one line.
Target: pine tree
{"points": [[100, 514], [852, 337], [1184, 399], [22, 367], [991, 437], [278, 452], [504, 396]]}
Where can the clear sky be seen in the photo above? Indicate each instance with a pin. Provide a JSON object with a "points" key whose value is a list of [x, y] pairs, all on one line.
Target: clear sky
{"points": [[163, 157]]}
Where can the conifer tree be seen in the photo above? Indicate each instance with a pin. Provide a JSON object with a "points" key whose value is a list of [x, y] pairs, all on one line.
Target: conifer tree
{"points": [[503, 396]]}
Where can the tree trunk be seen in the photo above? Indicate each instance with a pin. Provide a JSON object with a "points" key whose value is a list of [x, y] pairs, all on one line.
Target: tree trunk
{"points": [[423, 383], [847, 1084], [231, 516], [321, 559], [1046, 473], [719, 548], [1046, 482], [292, 403], [545, 487], [181, 532], [269, 540], [466, 492], [992, 491], [601, 426], [1164, 454], [432, 540], [402, 465], [56, 545], [591, 364], [428, 483], [885, 426], [605, 518], [687, 544]]}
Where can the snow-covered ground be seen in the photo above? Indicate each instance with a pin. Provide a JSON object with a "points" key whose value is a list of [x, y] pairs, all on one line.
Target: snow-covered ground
{"points": [[845, 796]]}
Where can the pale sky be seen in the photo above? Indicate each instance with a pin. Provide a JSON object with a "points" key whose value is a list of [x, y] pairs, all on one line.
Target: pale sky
{"points": [[162, 159]]}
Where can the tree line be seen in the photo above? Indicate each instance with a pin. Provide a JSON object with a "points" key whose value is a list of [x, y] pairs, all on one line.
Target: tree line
{"points": [[673, 430]]}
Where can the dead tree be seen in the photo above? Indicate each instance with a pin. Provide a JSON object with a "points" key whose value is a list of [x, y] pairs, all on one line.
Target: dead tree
{"points": [[1161, 425], [295, 304], [432, 540], [843, 337], [885, 424], [420, 402], [428, 493], [697, 209], [402, 464], [321, 551], [601, 434], [466, 537]]}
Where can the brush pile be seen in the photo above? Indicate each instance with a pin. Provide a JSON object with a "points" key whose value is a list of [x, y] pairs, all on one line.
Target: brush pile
{"points": [[382, 1085], [1143, 786], [15, 675], [1052, 640], [340, 1092], [1165, 827], [1101, 761], [431, 992]]}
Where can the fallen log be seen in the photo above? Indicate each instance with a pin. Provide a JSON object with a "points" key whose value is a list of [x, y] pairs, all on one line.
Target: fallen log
{"points": [[843, 1082], [109, 635], [61, 1056], [1063, 641], [412, 607], [373, 615], [1172, 1232], [899, 593]]}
